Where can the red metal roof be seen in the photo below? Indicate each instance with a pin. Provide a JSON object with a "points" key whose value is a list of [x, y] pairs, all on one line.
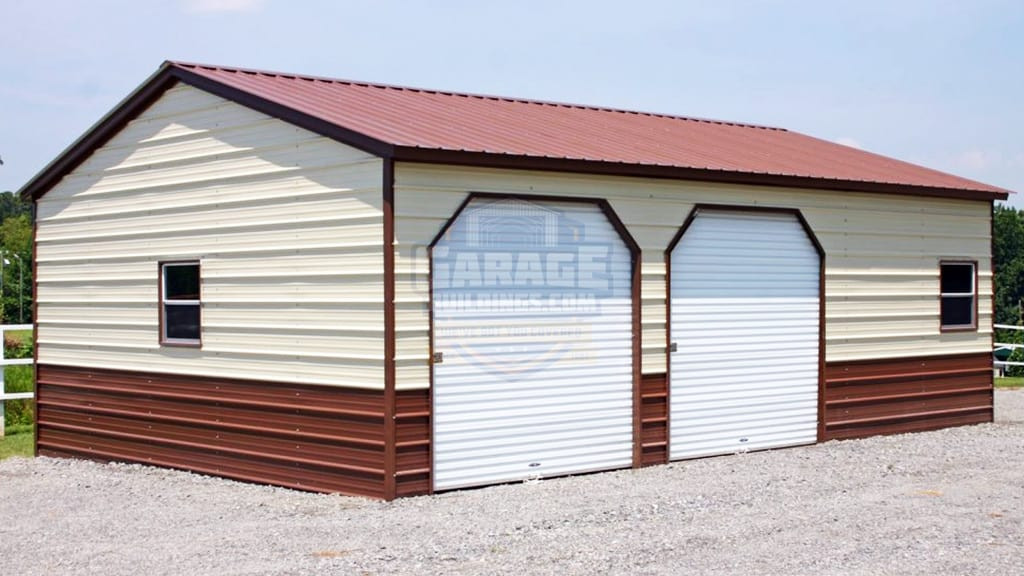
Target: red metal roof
{"points": [[434, 126], [438, 120]]}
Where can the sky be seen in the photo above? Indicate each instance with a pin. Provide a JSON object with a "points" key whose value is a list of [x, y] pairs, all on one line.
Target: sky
{"points": [[938, 83]]}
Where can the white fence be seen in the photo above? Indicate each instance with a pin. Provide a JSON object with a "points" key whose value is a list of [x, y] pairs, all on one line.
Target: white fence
{"points": [[1006, 346], [4, 362]]}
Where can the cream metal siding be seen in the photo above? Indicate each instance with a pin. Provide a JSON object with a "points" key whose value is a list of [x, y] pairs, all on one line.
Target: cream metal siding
{"points": [[288, 226], [882, 255], [533, 318], [745, 315]]}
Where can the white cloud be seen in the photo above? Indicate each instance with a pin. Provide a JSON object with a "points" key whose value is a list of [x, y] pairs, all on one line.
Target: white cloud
{"points": [[218, 6], [847, 141], [977, 159]]}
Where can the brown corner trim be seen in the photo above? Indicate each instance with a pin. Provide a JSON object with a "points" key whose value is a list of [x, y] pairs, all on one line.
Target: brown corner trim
{"points": [[390, 374]]}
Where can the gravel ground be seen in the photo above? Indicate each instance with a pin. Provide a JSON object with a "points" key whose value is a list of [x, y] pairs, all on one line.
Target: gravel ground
{"points": [[944, 502]]}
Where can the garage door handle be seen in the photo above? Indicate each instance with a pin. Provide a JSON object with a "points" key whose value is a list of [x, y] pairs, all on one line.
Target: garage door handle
{"points": [[437, 358], [673, 347]]}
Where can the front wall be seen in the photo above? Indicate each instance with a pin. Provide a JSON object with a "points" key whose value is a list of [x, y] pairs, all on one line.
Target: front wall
{"points": [[882, 255], [288, 225]]}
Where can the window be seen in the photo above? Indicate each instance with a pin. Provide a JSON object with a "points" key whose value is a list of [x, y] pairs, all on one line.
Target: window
{"points": [[179, 303], [959, 295]]}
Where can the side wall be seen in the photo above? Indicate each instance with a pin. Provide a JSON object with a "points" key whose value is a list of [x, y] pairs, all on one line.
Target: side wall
{"points": [[288, 385]]}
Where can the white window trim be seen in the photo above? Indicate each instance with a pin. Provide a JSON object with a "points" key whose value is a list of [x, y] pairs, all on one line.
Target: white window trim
{"points": [[973, 294], [164, 338]]}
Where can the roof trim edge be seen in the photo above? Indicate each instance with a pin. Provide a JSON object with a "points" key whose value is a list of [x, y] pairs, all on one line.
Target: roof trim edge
{"points": [[99, 133], [149, 91], [579, 166]]}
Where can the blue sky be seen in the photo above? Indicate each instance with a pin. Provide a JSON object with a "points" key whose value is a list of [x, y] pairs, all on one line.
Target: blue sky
{"points": [[939, 83]]}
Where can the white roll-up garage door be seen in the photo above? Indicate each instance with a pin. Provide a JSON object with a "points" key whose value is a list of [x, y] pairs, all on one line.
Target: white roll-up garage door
{"points": [[744, 324], [532, 333]]}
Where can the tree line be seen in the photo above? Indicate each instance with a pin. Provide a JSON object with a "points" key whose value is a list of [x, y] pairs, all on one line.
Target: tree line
{"points": [[16, 296]]}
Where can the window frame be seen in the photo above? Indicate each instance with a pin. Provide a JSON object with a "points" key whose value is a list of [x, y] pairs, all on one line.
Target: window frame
{"points": [[973, 326], [164, 303]]}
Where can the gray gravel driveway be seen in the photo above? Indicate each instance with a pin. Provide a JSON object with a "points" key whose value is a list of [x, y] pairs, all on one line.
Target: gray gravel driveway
{"points": [[944, 502]]}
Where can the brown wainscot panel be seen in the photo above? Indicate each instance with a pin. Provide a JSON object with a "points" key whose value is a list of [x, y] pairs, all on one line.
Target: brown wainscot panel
{"points": [[892, 396], [412, 420], [317, 438], [654, 419]]}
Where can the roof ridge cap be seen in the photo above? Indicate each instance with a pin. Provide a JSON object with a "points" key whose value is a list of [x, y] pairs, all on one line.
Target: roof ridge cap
{"points": [[530, 101]]}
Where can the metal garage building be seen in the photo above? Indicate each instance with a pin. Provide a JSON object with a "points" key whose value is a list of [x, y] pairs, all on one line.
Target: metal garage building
{"points": [[385, 291]]}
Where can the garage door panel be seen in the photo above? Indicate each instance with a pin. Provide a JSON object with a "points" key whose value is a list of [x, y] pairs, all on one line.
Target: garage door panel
{"points": [[533, 320], [745, 321], [506, 468]]}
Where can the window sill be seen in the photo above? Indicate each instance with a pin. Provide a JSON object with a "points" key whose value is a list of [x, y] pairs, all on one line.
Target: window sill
{"points": [[181, 344], [944, 329]]}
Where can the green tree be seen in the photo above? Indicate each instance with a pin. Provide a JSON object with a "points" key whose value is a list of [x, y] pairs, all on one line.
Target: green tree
{"points": [[1008, 258], [13, 205], [16, 253]]}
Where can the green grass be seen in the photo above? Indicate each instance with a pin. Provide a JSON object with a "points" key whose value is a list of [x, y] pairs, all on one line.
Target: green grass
{"points": [[17, 442], [1010, 382], [18, 379], [19, 335]]}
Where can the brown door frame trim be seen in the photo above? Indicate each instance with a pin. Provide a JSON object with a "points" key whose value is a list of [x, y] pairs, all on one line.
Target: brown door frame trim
{"points": [[821, 302], [635, 283]]}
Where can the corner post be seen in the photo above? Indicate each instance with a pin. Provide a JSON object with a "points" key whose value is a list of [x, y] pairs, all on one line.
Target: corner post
{"points": [[390, 404]]}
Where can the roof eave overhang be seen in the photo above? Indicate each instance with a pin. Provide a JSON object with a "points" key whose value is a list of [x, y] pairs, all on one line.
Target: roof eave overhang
{"points": [[509, 161], [168, 74]]}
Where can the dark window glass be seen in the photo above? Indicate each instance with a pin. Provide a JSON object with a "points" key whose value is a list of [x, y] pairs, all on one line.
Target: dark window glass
{"points": [[958, 311], [181, 281], [957, 278], [182, 321]]}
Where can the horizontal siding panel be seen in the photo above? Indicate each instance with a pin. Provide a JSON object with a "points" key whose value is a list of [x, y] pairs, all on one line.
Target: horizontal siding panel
{"points": [[245, 364], [882, 252], [359, 179], [315, 210], [288, 226], [299, 436], [907, 394]]}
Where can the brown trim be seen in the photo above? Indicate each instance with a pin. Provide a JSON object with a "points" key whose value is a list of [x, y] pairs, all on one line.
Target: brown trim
{"points": [[821, 292], [309, 437], [544, 164], [974, 318], [413, 470], [654, 408], [164, 341], [388, 242], [169, 73], [896, 395], [99, 133], [285, 113], [635, 284]]}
